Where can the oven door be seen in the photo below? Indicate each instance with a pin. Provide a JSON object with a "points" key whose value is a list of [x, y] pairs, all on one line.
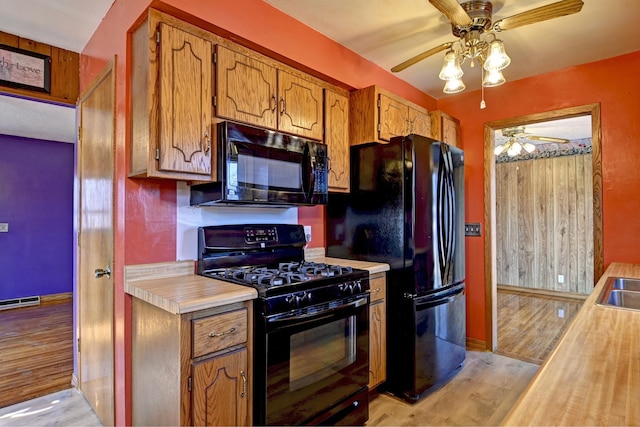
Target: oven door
{"points": [[315, 360]]}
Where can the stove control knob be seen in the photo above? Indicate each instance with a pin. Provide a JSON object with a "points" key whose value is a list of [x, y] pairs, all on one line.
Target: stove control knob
{"points": [[357, 286]]}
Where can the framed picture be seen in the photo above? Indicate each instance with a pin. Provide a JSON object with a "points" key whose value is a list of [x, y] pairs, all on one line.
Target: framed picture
{"points": [[23, 69]]}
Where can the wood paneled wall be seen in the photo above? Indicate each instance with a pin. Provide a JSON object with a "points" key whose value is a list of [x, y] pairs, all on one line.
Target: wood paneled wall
{"points": [[65, 70], [544, 223]]}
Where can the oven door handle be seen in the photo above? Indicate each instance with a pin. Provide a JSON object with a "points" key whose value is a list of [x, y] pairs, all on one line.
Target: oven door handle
{"points": [[301, 319]]}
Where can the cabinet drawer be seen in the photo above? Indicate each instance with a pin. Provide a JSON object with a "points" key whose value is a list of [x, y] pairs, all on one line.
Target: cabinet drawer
{"points": [[211, 334], [378, 287]]}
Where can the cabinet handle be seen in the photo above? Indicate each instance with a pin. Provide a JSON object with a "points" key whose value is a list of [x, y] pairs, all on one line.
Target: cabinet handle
{"points": [[376, 290], [329, 164], [244, 383], [283, 104], [219, 334], [274, 103], [207, 144]]}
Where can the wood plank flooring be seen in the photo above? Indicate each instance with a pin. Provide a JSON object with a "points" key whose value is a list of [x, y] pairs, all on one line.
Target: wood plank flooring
{"points": [[530, 325], [36, 351], [480, 394]]}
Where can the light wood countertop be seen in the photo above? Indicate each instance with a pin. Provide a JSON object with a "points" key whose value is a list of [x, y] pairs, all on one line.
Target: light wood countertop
{"points": [[592, 377], [175, 288], [317, 255]]}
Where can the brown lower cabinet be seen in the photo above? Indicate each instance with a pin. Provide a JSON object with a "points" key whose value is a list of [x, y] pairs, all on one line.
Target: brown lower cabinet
{"points": [[192, 368], [377, 330]]}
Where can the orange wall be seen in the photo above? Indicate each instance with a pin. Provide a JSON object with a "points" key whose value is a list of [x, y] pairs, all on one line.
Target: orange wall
{"points": [[145, 210], [614, 84]]}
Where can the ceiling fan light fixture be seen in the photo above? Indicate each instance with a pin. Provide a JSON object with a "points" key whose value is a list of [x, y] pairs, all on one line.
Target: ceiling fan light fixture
{"points": [[454, 86], [497, 59], [493, 78], [451, 69]]}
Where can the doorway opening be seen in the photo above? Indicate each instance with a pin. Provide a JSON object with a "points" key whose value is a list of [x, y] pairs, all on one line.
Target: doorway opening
{"points": [[492, 230]]}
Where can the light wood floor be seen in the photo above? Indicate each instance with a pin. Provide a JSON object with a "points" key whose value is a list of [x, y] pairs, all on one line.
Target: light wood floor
{"points": [[480, 394], [530, 325], [36, 351]]}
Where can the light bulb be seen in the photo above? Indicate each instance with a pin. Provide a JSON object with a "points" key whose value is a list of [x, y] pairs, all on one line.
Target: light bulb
{"points": [[529, 147], [493, 78], [451, 69], [454, 86], [499, 149], [497, 58]]}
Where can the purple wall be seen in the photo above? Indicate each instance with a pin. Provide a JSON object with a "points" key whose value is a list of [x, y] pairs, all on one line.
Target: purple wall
{"points": [[36, 199]]}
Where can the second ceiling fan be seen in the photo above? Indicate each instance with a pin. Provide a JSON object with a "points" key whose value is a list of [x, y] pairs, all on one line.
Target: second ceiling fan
{"points": [[472, 23]]}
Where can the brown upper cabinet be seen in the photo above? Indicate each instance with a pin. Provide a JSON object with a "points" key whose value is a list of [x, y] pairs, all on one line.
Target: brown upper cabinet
{"points": [[378, 115], [171, 101], [254, 92], [336, 136], [445, 128]]}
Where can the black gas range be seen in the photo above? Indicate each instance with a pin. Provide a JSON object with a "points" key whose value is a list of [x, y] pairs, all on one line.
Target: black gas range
{"points": [[311, 323]]}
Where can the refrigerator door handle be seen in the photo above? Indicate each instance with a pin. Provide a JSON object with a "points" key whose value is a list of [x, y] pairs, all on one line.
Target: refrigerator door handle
{"points": [[447, 213], [439, 301]]}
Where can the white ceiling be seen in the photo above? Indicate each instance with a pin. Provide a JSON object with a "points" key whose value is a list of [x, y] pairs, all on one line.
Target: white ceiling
{"points": [[387, 32]]}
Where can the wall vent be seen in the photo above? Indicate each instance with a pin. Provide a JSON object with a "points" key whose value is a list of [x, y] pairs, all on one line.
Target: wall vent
{"points": [[19, 302]]}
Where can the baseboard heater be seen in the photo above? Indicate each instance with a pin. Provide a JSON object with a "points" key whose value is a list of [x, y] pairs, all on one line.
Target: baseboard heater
{"points": [[19, 302]]}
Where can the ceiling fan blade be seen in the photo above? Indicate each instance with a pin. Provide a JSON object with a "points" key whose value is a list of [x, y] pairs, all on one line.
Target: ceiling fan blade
{"points": [[452, 10], [548, 139], [423, 55], [544, 13]]}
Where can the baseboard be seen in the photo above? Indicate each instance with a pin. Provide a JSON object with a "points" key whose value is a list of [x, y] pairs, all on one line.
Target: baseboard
{"points": [[56, 298], [476, 345], [542, 292]]}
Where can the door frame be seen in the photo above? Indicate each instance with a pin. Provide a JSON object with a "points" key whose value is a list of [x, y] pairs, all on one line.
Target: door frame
{"points": [[490, 272]]}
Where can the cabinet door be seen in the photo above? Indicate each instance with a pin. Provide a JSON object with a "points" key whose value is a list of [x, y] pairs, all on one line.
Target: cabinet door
{"points": [[185, 102], [299, 106], [377, 344], [450, 131], [220, 390], [420, 122], [246, 89], [336, 136], [393, 119]]}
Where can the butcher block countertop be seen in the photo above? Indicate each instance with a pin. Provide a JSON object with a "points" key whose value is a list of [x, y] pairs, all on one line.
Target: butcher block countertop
{"points": [[173, 286], [592, 377]]}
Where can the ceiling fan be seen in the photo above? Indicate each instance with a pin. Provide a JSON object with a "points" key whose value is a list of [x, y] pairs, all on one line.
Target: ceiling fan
{"points": [[513, 146], [470, 22]]}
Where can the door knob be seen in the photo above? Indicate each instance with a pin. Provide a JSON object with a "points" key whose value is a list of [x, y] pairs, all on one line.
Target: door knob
{"points": [[106, 272]]}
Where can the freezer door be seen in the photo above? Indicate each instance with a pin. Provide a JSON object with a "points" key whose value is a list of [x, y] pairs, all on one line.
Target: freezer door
{"points": [[439, 339]]}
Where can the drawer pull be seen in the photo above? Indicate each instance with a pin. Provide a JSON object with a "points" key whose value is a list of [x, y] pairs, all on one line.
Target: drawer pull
{"points": [[244, 383], [376, 290], [219, 334]]}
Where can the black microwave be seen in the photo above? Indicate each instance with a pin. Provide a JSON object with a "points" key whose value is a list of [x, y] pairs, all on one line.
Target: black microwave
{"points": [[262, 167]]}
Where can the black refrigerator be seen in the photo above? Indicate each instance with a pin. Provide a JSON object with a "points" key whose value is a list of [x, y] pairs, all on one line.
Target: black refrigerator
{"points": [[406, 208]]}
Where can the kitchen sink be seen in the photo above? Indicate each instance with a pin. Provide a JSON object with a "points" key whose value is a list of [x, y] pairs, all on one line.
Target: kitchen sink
{"points": [[621, 292]]}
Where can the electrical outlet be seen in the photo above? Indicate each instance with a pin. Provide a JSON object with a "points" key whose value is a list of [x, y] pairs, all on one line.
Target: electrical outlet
{"points": [[307, 233], [561, 313], [472, 229], [4, 227], [560, 278]]}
